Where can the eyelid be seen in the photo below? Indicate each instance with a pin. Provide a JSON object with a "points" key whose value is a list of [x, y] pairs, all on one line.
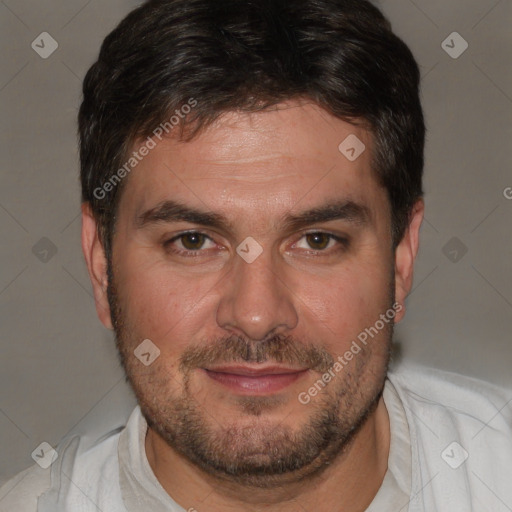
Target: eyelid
{"points": [[338, 237], [167, 243], [342, 241], [187, 232]]}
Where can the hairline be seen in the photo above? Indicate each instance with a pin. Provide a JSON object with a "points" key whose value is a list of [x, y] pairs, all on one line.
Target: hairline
{"points": [[190, 129]]}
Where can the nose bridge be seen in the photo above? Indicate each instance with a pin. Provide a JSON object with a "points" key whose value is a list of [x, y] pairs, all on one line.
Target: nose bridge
{"points": [[255, 301]]}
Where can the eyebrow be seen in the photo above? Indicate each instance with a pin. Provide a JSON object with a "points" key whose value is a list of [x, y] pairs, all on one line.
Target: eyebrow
{"points": [[349, 211], [174, 211]]}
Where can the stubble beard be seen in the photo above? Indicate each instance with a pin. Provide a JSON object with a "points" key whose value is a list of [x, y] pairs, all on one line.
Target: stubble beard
{"points": [[262, 453]]}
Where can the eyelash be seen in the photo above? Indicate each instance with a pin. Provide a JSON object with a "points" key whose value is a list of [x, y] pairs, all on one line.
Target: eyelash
{"points": [[168, 244], [342, 242]]}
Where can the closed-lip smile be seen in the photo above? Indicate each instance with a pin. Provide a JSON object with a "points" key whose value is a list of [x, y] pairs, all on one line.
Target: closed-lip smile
{"points": [[254, 379]]}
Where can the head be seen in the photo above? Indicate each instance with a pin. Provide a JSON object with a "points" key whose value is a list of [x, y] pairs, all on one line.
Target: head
{"points": [[251, 184]]}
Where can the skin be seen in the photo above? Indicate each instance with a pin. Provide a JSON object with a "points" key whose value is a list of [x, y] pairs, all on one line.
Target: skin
{"points": [[305, 300]]}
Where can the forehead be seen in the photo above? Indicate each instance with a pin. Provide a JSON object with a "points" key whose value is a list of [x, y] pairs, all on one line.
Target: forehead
{"points": [[270, 162]]}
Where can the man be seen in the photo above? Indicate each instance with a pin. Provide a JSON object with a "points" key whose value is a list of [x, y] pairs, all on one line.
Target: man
{"points": [[252, 199]]}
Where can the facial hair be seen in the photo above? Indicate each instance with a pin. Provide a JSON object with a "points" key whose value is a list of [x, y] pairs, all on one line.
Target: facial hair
{"points": [[266, 453]]}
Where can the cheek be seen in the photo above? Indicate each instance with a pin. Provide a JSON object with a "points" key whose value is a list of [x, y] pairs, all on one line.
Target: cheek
{"points": [[161, 305], [340, 307]]}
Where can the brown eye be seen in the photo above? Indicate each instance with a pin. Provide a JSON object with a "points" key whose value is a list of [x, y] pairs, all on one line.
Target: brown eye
{"points": [[192, 241], [318, 241]]}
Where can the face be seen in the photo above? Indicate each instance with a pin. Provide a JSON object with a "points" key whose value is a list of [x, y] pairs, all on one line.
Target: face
{"points": [[253, 257]]}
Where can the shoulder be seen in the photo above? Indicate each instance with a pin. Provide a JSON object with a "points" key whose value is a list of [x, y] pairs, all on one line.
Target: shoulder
{"points": [[443, 408], [21, 492], [460, 436], [453, 394], [84, 459]]}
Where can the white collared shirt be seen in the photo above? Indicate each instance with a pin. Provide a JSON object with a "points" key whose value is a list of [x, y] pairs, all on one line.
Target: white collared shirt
{"points": [[450, 450]]}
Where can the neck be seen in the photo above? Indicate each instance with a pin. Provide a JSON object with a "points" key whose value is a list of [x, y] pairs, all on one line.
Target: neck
{"points": [[349, 483]]}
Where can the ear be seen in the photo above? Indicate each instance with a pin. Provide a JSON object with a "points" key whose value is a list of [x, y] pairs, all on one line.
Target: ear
{"points": [[405, 256], [96, 264]]}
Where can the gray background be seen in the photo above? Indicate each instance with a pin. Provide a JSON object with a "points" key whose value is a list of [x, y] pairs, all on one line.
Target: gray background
{"points": [[59, 371]]}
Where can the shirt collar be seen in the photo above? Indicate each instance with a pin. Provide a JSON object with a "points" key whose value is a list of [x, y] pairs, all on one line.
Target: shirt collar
{"points": [[140, 488]]}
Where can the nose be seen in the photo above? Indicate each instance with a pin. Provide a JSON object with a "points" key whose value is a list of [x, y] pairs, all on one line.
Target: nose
{"points": [[255, 302]]}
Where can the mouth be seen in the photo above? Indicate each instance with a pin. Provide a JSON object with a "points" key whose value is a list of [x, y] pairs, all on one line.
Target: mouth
{"points": [[255, 380]]}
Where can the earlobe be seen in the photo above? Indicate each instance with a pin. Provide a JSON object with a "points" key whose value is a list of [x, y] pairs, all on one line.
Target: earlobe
{"points": [[405, 256], [96, 264]]}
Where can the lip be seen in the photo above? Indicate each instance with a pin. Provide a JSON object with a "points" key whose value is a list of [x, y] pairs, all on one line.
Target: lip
{"points": [[255, 380]]}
